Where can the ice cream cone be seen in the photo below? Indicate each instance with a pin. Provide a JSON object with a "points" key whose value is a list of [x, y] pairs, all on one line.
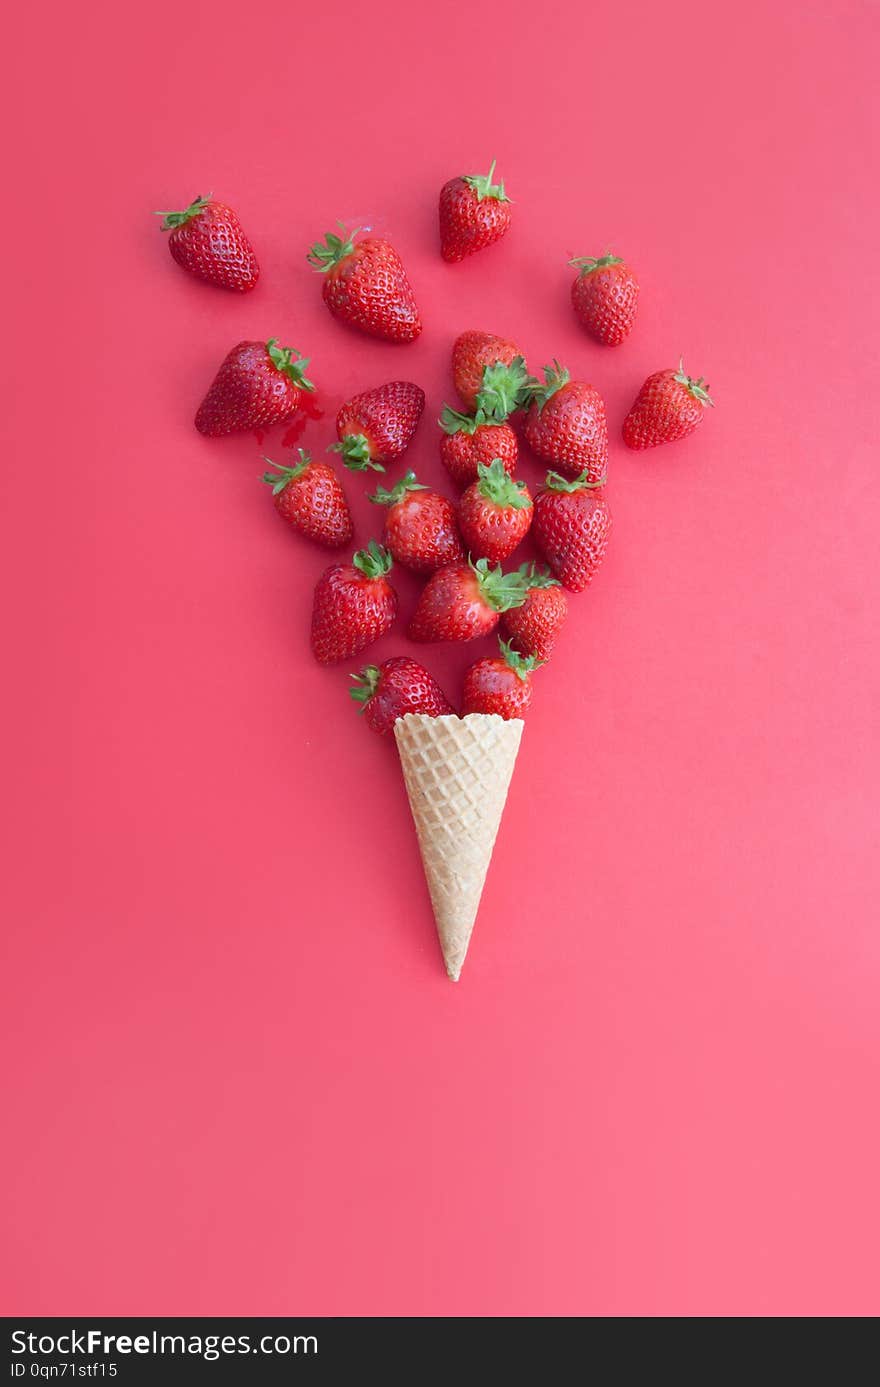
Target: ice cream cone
{"points": [[457, 773]]}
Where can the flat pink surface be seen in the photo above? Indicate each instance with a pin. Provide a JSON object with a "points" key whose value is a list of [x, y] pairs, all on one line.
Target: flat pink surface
{"points": [[239, 1081]]}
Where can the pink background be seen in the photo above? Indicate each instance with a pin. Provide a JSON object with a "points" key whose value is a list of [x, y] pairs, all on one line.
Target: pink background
{"points": [[239, 1081]]}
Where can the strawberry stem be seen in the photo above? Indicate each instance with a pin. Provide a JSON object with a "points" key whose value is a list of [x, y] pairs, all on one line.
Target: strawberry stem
{"points": [[281, 477], [538, 577], [374, 561], [499, 590], [554, 482], [356, 453], [325, 255], [484, 187], [501, 391], [698, 388], [407, 483], [174, 219], [288, 361], [522, 665], [451, 421], [539, 392], [499, 488], [587, 264], [366, 684]]}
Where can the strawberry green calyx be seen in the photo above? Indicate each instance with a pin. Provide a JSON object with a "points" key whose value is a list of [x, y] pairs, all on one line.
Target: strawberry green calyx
{"points": [[174, 219], [539, 392], [484, 187], [451, 421], [538, 577], [288, 361], [281, 477], [522, 665], [374, 561], [554, 482], [501, 391], [501, 591], [499, 488], [698, 388], [325, 255], [407, 483], [365, 685], [587, 263], [357, 455]]}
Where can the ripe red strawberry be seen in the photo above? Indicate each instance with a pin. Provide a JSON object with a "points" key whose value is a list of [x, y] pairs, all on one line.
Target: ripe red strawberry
{"points": [[309, 497], [366, 286], [535, 625], [494, 514], [501, 684], [565, 425], [469, 440], [571, 527], [354, 605], [465, 600], [472, 352], [420, 528], [207, 239], [474, 213], [605, 295], [376, 427], [668, 407], [388, 691], [259, 383]]}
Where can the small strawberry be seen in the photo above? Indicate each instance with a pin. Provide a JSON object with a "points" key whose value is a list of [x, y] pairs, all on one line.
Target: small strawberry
{"points": [[472, 352], [571, 527], [668, 407], [309, 497], [420, 528], [494, 514], [366, 286], [474, 213], [388, 691], [605, 295], [259, 383], [469, 440], [354, 605], [501, 684], [376, 427], [207, 239], [535, 625], [565, 425], [465, 600]]}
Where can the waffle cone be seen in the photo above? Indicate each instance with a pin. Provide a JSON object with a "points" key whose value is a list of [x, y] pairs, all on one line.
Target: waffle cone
{"points": [[457, 772]]}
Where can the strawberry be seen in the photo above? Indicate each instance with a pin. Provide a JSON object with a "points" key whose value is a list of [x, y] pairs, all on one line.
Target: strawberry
{"points": [[535, 625], [501, 684], [309, 497], [474, 213], [375, 428], [465, 600], [366, 286], [605, 295], [259, 383], [354, 605], [668, 407], [495, 513], [420, 528], [388, 691], [571, 527], [469, 440], [565, 425], [472, 352], [207, 239]]}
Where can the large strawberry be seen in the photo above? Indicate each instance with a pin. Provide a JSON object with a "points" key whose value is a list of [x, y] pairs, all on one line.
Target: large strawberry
{"points": [[207, 239], [259, 383], [565, 425], [399, 686], [420, 528], [354, 605], [471, 439], [669, 406], [605, 295], [535, 625], [494, 514], [463, 601], [309, 497], [501, 684], [474, 213], [472, 353], [366, 286], [571, 527], [376, 427]]}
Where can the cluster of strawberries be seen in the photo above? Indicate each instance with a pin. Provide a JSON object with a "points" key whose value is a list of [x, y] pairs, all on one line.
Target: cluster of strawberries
{"points": [[459, 547]]}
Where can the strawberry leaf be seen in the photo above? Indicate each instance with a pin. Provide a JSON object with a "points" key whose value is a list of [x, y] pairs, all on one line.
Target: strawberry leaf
{"points": [[356, 453], [407, 483], [698, 388], [365, 685], [554, 482], [326, 254], [522, 665], [497, 487], [290, 365], [484, 187], [501, 389], [587, 264], [281, 477], [539, 392], [374, 561], [451, 421], [500, 590], [174, 219]]}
